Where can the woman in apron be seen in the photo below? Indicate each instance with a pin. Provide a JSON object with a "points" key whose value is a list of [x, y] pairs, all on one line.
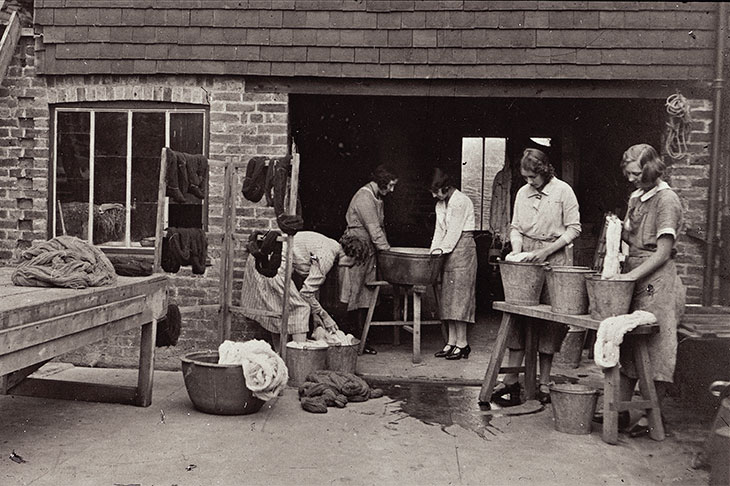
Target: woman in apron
{"points": [[365, 219], [545, 221], [651, 227], [453, 237]]}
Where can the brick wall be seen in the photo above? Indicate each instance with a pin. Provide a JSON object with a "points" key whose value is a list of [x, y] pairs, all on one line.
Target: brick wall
{"points": [[689, 177], [241, 125]]}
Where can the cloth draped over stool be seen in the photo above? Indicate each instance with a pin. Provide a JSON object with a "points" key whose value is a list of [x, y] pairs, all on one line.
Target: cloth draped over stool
{"points": [[328, 388], [265, 372], [64, 261], [611, 334]]}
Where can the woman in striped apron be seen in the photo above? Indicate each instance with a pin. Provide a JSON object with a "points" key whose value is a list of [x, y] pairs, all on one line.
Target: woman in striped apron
{"points": [[545, 222], [453, 236], [651, 227]]}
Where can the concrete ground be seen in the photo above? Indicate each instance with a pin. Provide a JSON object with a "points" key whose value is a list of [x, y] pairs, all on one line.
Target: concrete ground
{"points": [[427, 429]]}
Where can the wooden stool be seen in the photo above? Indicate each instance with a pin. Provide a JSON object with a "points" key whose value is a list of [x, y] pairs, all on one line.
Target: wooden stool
{"points": [[414, 326]]}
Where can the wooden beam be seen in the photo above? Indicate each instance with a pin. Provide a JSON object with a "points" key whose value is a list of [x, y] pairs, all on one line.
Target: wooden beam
{"points": [[8, 43], [160, 221], [65, 390]]}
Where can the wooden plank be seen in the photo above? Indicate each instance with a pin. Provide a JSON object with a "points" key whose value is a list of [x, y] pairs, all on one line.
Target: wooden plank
{"points": [[160, 219], [74, 390], [25, 357], [402, 323], [292, 210], [544, 312], [257, 312], [226, 271], [143, 395], [10, 380], [611, 398], [34, 333], [648, 391], [8, 43], [416, 358], [47, 302], [490, 377]]}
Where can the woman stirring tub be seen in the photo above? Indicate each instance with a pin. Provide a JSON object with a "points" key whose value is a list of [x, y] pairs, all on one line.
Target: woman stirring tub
{"points": [[453, 237]]}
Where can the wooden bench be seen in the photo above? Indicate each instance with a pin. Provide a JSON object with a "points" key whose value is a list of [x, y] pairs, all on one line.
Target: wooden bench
{"points": [[38, 324], [612, 404]]}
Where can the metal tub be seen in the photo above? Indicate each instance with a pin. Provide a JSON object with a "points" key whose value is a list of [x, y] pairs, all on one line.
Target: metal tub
{"points": [[409, 266]]}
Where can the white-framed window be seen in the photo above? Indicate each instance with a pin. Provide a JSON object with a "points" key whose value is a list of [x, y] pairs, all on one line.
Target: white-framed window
{"points": [[106, 169]]}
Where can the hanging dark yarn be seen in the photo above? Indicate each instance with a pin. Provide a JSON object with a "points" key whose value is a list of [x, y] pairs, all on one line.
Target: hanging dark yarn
{"points": [[266, 252], [276, 185], [168, 328], [254, 184]]}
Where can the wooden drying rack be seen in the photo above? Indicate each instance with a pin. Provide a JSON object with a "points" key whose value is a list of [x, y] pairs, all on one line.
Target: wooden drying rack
{"points": [[226, 308]]}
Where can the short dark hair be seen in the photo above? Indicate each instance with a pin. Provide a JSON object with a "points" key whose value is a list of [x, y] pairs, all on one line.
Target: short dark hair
{"points": [[537, 161], [383, 175], [441, 180], [652, 165]]}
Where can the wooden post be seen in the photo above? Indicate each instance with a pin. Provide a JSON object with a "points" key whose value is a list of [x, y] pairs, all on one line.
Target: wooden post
{"points": [[161, 189], [227, 252], [293, 190]]}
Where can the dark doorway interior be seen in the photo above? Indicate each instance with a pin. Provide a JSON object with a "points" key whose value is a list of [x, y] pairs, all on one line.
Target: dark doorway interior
{"points": [[342, 138]]}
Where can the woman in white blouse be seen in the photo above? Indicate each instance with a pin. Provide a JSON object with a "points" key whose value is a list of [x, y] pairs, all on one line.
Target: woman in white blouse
{"points": [[453, 236]]}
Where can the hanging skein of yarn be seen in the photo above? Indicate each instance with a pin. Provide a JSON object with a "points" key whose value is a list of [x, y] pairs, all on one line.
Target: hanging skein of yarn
{"points": [[678, 126]]}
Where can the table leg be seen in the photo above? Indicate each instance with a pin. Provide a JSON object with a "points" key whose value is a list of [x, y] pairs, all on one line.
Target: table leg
{"points": [[495, 361], [611, 398], [416, 327], [530, 359], [646, 385], [146, 364], [368, 320], [397, 306]]}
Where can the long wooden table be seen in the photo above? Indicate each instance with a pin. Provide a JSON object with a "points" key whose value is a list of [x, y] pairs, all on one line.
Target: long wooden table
{"points": [[612, 403], [38, 324]]}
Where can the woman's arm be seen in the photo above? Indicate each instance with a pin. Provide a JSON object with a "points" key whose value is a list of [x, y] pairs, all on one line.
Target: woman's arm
{"points": [[663, 252], [456, 215], [367, 211]]}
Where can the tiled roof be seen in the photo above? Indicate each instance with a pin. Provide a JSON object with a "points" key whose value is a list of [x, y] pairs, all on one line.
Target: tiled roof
{"points": [[403, 39]]}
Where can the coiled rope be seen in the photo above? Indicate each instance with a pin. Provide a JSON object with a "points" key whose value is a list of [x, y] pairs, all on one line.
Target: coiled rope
{"points": [[678, 126]]}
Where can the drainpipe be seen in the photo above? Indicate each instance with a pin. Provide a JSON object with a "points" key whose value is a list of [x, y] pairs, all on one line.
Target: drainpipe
{"points": [[712, 204]]}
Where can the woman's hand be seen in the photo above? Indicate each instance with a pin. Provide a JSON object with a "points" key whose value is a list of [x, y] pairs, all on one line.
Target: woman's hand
{"points": [[538, 256]]}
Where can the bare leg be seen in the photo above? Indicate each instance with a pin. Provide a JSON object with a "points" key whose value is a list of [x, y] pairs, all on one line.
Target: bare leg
{"points": [[546, 365], [460, 332]]}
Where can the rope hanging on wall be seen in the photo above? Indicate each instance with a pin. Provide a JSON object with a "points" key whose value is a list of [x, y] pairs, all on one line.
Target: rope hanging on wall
{"points": [[678, 126]]}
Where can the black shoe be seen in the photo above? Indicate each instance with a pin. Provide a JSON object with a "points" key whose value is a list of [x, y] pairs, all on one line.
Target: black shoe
{"points": [[514, 391], [458, 353], [445, 352], [369, 350], [543, 396], [624, 420]]}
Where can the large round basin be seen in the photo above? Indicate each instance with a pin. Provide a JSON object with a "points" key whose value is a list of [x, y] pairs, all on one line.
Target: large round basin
{"points": [[409, 266]]}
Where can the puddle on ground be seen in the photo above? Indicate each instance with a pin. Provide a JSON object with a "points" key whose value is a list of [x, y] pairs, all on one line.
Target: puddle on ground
{"points": [[447, 405]]}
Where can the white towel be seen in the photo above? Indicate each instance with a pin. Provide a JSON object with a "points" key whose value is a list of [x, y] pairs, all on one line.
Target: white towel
{"points": [[611, 334], [265, 372]]}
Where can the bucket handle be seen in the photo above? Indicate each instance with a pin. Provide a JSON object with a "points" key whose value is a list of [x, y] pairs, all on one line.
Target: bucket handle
{"points": [[441, 252], [547, 267]]}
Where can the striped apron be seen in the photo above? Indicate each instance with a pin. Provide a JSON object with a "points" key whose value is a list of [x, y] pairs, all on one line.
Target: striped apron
{"points": [[260, 293]]}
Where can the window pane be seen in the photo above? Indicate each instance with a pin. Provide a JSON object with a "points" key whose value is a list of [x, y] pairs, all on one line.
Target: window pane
{"points": [[186, 132], [72, 174], [148, 138], [472, 183], [110, 177], [186, 135]]}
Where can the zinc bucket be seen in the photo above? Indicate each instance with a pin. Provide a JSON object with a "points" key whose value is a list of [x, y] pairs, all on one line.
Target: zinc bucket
{"points": [[342, 358], [573, 407], [607, 298], [567, 289], [571, 350], [522, 282], [302, 361]]}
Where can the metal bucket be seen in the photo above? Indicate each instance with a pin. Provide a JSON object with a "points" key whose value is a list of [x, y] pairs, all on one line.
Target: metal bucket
{"points": [[217, 388], [342, 358], [571, 350], [409, 266], [522, 282], [567, 289], [573, 407], [302, 361], [607, 298]]}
